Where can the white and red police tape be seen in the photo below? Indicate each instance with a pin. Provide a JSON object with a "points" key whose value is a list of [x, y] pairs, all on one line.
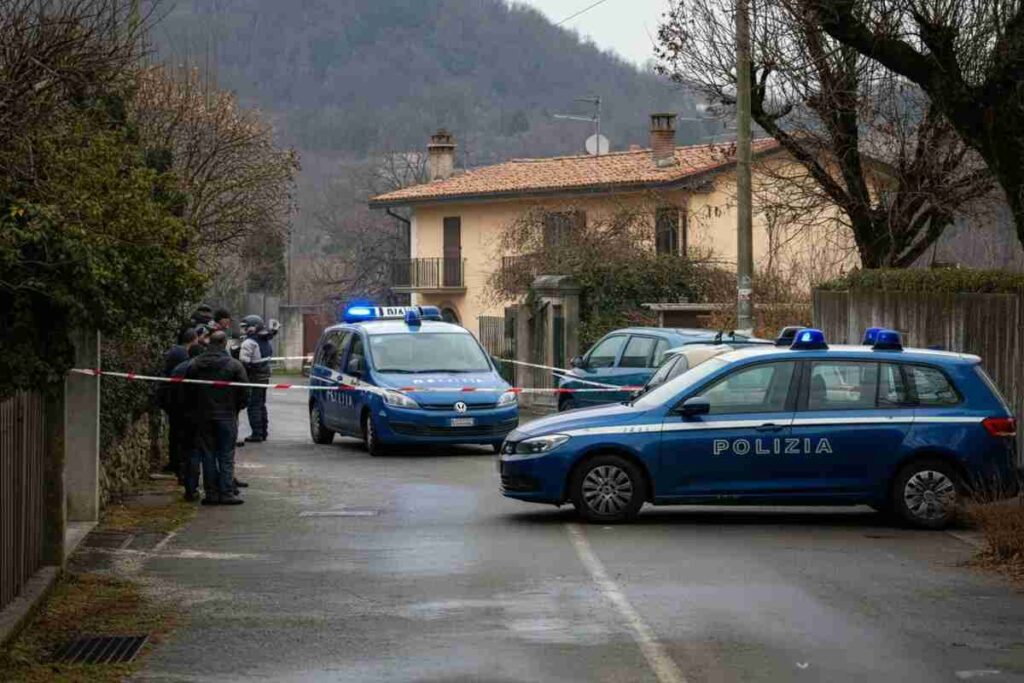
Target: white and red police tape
{"points": [[348, 384]]}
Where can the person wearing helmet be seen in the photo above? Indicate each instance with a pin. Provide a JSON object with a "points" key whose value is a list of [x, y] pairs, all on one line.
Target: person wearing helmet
{"points": [[255, 354]]}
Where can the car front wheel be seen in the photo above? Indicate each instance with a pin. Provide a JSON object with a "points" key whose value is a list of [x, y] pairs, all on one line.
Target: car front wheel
{"points": [[320, 434], [608, 489], [925, 494], [370, 439]]}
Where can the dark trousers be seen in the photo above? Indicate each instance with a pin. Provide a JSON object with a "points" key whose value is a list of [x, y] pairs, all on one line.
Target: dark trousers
{"points": [[258, 418], [215, 442], [179, 442]]}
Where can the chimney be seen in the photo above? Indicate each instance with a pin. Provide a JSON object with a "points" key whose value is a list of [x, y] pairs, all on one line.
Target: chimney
{"points": [[663, 139], [441, 155]]}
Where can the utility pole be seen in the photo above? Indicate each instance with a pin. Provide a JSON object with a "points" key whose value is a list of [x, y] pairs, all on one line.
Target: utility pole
{"points": [[744, 209]]}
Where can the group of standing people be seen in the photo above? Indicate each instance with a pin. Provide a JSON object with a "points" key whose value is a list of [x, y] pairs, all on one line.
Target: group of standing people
{"points": [[203, 418]]}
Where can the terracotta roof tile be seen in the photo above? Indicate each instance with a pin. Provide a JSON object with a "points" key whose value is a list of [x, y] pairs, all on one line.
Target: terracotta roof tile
{"points": [[575, 173]]}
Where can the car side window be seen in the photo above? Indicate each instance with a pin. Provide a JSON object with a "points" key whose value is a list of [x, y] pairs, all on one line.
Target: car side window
{"points": [[332, 350], [681, 366], [842, 385], [664, 373], [892, 390], [659, 352], [759, 389], [606, 352], [357, 352], [639, 352], [931, 386]]}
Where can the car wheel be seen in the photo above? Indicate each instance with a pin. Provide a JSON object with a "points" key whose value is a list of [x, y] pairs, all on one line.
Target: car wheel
{"points": [[925, 494], [320, 434], [370, 439], [608, 489], [567, 403]]}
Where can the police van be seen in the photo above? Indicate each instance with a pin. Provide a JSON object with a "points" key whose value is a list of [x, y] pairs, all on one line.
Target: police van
{"points": [[909, 431], [402, 377]]}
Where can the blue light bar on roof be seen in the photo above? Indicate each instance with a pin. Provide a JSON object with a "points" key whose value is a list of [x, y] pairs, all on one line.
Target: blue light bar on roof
{"points": [[888, 340], [809, 339], [870, 335], [361, 314]]}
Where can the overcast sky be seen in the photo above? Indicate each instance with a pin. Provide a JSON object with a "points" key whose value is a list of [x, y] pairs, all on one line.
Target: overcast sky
{"points": [[628, 27]]}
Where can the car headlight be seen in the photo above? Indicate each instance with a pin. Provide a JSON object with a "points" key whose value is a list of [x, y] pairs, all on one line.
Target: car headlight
{"points": [[507, 399], [399, 400], [535, 447]]}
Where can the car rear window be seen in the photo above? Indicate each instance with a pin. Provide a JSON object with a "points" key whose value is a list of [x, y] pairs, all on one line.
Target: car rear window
{"points": [[931, 387]]}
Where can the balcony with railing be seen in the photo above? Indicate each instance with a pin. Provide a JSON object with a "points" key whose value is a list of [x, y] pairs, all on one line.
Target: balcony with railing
{"points": [[438, 274]]}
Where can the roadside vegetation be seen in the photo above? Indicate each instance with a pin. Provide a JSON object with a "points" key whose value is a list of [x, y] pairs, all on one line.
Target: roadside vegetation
{"points": [[101, 601]]}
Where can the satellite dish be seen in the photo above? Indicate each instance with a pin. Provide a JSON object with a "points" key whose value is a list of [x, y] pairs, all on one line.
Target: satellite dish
{"points": [[597, 145]]}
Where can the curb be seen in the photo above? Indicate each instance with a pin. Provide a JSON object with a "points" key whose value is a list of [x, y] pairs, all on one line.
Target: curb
{"points": [[17, 613]]}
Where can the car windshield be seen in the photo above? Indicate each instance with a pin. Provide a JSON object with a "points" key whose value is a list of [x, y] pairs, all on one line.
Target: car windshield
{"points": [[673, 387], [422, 352]]}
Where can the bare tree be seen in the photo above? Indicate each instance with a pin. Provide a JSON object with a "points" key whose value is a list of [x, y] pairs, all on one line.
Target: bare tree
{"points": [[56, 55], [967, 55], [237, 181], [867, 141]]}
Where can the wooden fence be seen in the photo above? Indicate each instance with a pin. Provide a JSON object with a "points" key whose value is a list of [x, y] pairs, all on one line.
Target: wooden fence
{"points": [[22, 491], [987, 325]]}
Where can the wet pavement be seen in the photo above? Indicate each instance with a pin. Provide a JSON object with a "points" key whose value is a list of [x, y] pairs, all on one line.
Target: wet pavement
{"points": [[411, 567]]}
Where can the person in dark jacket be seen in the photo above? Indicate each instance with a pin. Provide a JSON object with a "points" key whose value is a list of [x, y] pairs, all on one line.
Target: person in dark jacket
{"points": [[177, 426], [254, 354], [213, 413]]}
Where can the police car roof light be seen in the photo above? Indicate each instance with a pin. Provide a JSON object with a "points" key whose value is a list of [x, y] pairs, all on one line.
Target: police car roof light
{"points": [[888, 340], [871, 335], [430, 313], [809, 339], [787, 334], [354, 314], [412, 318]]}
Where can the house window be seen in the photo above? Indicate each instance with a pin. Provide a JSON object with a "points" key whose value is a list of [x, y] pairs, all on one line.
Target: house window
{"points": [[666, 231], [559, 225]]}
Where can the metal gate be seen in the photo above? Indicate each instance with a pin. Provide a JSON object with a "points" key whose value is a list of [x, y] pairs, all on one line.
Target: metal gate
{"points": [[497, 337], [22, 491]]}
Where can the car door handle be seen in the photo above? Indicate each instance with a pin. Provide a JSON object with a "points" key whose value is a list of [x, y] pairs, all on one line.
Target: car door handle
{"points": [[770, 427]]}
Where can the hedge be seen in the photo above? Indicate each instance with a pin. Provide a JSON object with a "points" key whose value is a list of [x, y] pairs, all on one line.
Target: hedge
{"points": [[929, 280]]}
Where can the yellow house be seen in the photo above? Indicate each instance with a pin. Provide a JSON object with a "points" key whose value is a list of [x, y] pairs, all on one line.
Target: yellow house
{"points": [[459, 219]]}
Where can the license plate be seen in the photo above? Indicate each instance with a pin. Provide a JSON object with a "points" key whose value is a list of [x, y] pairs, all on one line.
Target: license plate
{"points": [[462, 421]]}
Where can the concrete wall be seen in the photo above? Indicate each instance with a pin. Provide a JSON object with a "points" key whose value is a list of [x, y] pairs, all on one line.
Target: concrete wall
{"points": [[82, 432]]}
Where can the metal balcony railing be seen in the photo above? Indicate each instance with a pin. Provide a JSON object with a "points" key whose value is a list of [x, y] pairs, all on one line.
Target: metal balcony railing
{"points": [[428, 273]]}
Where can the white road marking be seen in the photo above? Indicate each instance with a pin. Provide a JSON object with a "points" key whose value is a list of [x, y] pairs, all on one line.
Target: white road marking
{"points": [[164, 541], [665, 670], [977, 673]]}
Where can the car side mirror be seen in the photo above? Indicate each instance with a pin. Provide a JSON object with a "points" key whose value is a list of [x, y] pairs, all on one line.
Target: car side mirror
{"points": [[306, 370], [355, 367], [578, 362], [698, 405]]}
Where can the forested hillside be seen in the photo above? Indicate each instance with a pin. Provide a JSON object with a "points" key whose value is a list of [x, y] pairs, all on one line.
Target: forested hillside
{"points": [[367, 76]]}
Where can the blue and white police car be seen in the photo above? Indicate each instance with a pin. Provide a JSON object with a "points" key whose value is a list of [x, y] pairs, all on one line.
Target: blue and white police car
{"points": [[407, 378], [909, 431]]}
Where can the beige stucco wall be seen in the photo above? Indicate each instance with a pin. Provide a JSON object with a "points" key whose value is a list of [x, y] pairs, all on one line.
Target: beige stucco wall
{"points": [[712, 230]]}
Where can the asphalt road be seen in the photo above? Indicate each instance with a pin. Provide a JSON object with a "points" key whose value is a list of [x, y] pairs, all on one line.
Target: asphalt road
{"points": [[411, 567]]}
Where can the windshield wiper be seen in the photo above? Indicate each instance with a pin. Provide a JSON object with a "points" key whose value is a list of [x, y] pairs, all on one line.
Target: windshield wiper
{"points": [[397, 371]]}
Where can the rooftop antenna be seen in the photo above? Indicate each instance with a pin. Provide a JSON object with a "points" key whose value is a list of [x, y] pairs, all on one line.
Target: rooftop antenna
{"points": [[600, 145]]}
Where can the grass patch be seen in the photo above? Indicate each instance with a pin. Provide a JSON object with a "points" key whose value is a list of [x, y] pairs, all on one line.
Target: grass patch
{"points": [[82, 604], [157, 507], [1002, 524], [93, 603]]}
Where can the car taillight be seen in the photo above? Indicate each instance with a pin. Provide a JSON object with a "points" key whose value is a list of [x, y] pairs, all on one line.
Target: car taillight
{"points": [[1000, 426]]}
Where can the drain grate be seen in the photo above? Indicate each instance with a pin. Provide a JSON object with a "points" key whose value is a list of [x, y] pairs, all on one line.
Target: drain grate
{"points": [[100, 650]]}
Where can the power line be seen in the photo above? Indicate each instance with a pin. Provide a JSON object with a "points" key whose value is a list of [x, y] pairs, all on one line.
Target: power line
{"points": [[585, 9]]}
